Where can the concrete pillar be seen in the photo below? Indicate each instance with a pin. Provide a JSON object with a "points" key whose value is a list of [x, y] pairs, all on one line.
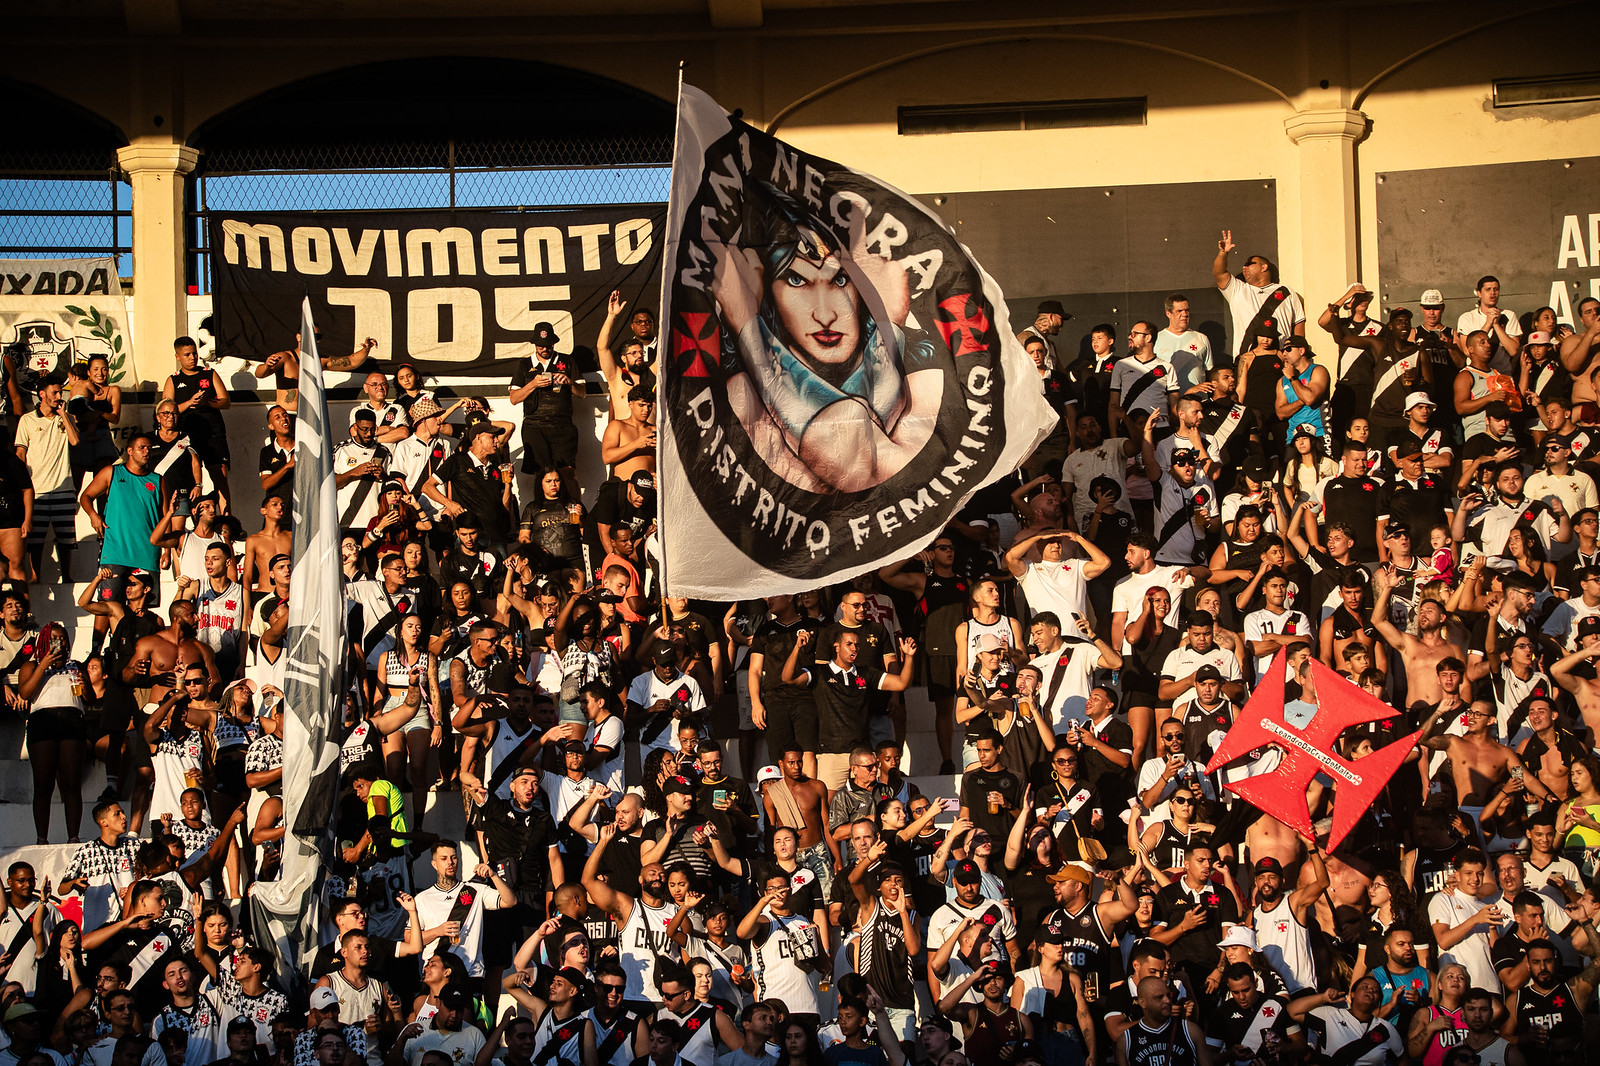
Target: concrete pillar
{"points": [[159, 286], [1326, 139]]}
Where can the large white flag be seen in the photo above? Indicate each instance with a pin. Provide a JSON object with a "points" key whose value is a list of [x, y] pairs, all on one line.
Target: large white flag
{"points": [[838, 377], [313, 685]]}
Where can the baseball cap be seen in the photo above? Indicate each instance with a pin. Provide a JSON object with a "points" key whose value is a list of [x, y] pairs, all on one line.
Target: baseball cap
{"points": [[19, 1010], [475, 429], [989, 642], [574, 977], [1395, 529], [1207, 673], [1256, 469], [1051, 934], [1589, 625], [643, 482], [679, 784], [524, 771], [1080, 872], [888, 870], [1268, 865], [424, 408], [768, 773], [1185, 455], [455, 999], [1408, 448], [1538, 336], [1052, 307], [1498, 409], [570, 747], [1431, 298], [321, 999], [1238, 936], [664, 655], [1414, 398], [365, 414], [967, 873]]}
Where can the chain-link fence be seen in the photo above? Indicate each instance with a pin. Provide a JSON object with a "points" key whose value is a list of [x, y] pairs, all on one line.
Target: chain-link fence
{"points": [[467, 175], [66, 214]]}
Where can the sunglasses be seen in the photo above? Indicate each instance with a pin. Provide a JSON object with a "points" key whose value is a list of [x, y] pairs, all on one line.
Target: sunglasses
{"points": [[1182, 801], [611, 989], [1171, 736]]}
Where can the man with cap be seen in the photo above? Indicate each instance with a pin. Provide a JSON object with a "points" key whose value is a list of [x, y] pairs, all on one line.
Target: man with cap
{"points": [[1398, 367], [26, 1030], [544, 384], [322, 1021], [1281, 920], [887, 938], [786, 948], [565, 790], [660, 698], [359, 467], [416, 459], [992, 915], [556, 1000], [1419, 432], [450, 1033], [631, 502], [1547, 378], [1047, 323], [1414, 502], [1087, 929], [992, 1023], [1557, 479], [629, 444], [474, 484], [1187, 505]]}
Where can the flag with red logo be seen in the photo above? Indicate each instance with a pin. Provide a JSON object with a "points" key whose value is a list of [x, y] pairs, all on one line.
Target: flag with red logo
{"points": [[838, 374]]}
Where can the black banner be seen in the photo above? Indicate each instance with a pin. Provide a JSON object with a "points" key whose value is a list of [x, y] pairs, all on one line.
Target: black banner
{"points": [[450, 291]]}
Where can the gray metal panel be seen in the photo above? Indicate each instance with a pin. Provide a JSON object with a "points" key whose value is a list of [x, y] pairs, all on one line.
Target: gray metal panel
{"points": [[1446, 228], [1113, 253]]}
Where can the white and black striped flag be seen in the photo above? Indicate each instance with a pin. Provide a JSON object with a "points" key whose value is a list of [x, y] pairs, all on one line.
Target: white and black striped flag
{"points": [[286, 910]]}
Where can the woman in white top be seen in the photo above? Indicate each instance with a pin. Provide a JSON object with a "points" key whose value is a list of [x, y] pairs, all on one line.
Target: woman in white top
{"points": [[1053, 993], [57, 733], [1307, 467], [402, 667]]}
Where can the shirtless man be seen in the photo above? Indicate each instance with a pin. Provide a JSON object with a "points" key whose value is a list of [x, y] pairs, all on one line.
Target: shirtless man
{"points": [[1585, 691], [1480, 764], [1345, 627], [162, 656], [287, 366], [794, 795], [260, 548], [632, 370], [1420, 654], [1551, 750], [629, 443], [1268, 838]]}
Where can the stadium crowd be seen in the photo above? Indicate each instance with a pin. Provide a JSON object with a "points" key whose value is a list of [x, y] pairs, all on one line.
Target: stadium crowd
{"points": [[1384, 501]]}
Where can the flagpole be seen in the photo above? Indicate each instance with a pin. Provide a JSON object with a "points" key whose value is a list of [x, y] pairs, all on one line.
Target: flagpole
{"points": [[669, 255]]}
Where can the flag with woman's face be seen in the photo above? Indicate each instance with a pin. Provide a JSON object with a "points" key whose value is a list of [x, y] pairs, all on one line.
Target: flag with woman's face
{"points": [[839, 375]]}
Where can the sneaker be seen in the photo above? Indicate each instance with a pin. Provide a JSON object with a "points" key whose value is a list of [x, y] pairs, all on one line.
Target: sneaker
{"points": [[947, 768]]}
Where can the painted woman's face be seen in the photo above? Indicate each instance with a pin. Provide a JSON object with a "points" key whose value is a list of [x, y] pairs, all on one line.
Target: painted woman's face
{"points": [[820, 308]]}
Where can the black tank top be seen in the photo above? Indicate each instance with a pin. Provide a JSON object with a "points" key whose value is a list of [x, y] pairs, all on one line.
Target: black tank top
{"points": [[199, 422], [1430, 871], [1173, 847], [1145, 1046], [1554, 1011]]}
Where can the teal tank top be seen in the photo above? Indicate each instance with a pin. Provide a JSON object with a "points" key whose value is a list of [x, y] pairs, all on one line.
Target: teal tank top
{"points": [[132, 509]]}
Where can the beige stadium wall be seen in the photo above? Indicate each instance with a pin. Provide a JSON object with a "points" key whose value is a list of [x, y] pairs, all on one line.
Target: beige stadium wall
{"points": [[1231, 96]]}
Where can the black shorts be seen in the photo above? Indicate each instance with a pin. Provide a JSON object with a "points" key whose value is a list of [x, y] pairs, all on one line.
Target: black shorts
{"points": [[115, 588], [548, 446], [56, 723], [791, 724], [941, 677]]}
